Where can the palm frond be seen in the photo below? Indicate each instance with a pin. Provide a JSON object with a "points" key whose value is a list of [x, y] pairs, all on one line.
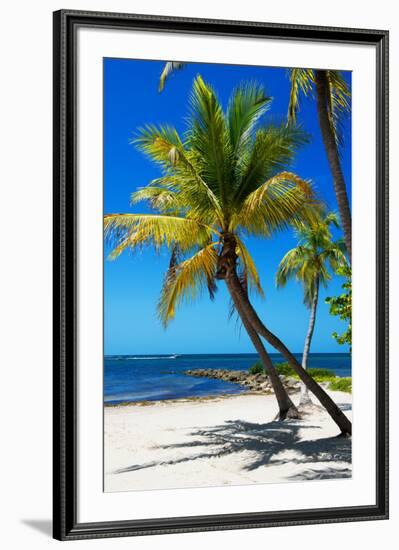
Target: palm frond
{"points": [[292, 261], [275, 205], [301, 81], [137, 230], [168, 69], [273, 150], [308, 262], [331, 218], [165, 147], [161, 143], [335, 255], [338, 103], [208, 138], [164, 200], [247, 104], [251, 274], [188, 279]]}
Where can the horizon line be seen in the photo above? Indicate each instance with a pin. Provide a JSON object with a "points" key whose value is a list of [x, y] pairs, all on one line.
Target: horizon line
{"points": [[220, 353]]}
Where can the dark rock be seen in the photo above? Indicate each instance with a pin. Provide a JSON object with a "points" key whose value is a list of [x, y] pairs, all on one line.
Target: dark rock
{"points": [[258, 383]]}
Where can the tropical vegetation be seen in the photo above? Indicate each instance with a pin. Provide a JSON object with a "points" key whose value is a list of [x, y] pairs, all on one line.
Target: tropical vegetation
{"points": [[333, 104], [341, 384], [257, 368], [226, 178], [284, 369], [325, 376], [311, 263], [341, 306]]}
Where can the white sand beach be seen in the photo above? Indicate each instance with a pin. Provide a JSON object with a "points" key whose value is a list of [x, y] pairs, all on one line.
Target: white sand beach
{"points": [[220, 441]]}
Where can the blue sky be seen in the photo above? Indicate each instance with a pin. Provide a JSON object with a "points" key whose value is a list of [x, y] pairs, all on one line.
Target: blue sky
{"points": [[132, 282]]}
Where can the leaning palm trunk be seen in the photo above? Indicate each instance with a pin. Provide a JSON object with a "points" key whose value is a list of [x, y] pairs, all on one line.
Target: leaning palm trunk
{"points": [[331, 148], [207, 196], [333, 410], [287, 408], [305, 399], [227, 262]]}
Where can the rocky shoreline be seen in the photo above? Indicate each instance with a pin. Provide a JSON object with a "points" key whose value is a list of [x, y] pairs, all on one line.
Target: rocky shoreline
{"points": [[255, 383]]}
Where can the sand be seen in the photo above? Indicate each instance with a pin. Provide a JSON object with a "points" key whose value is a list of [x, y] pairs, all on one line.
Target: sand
{"points": [[223, 441]]}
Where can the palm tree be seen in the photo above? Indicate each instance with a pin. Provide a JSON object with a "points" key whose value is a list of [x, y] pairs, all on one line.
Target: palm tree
{"points": [[308, 263], [332, 103], [332, 96], [224, 180]]}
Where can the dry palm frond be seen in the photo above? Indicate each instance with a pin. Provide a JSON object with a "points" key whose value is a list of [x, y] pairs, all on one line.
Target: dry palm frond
{"points": [[301, 81], [252, 278], [186, 281], [136, 230], [168, 69]]}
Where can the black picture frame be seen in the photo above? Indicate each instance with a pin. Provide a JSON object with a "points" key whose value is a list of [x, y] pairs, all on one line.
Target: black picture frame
{"points": [[66, 527]]}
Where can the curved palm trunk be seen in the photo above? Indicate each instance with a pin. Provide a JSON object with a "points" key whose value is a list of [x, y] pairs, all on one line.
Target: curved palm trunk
{"points": [[227, 264], [333, 158], [305, 398], [287, 408], [333, 410]]}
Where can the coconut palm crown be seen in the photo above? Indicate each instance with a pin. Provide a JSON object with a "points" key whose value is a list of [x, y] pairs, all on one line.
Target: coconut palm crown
{"points": [[309, 263], [226, 178], [333, 105], [303, 81], [316, 255]]}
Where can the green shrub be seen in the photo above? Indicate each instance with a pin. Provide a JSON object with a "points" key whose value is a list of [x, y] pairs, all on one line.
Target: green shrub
{"points": [[341, 384], [257, 368], [321, 375], [342, 307], [285, 369]]}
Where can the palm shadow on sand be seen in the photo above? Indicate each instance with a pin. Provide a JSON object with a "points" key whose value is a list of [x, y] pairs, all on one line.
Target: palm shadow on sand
{"points": [[264, 442]]}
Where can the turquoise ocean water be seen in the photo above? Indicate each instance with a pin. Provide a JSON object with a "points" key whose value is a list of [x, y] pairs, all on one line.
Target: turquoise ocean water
{"points": [[157, 377]]}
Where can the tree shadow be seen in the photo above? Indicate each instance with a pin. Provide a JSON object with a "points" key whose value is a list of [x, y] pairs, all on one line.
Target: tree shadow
{"points": [[267, 445], [345, 406], [325, 473]]}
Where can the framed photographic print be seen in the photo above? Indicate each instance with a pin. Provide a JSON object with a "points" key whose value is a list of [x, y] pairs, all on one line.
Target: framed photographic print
{"points": [[220, 274]]}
